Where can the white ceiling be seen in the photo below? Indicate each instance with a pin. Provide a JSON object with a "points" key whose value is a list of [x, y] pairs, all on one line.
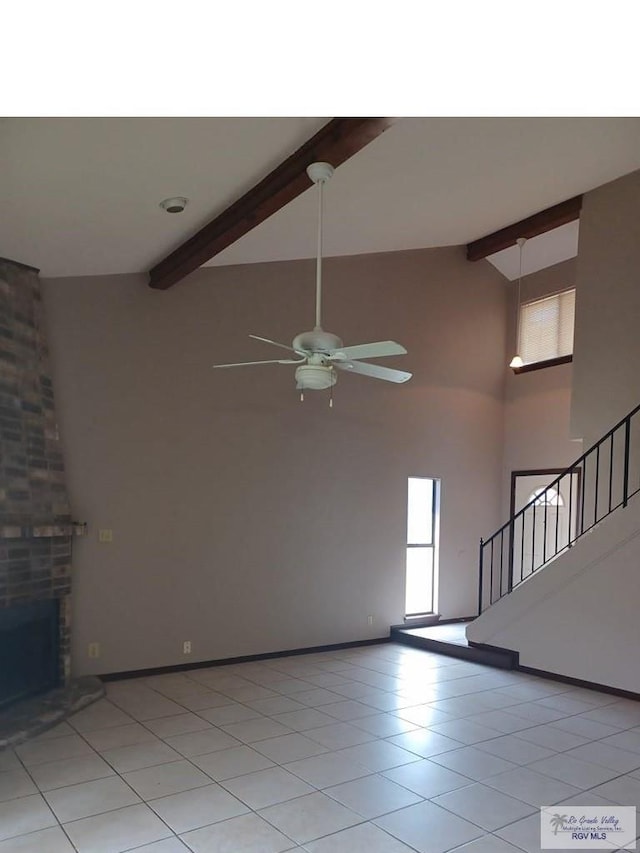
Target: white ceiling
{"points": [[80, 195], [540, 252]]}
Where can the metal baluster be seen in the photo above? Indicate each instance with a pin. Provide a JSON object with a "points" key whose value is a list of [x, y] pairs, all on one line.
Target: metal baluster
{"points": [[533, 538], [510, 557], [558, 515], [522, 548], [544, 540], [610, 469], [570, 534], [582, 491], [492, 540], [595, 508], [480, 576], [501, 561], [627, 440]]}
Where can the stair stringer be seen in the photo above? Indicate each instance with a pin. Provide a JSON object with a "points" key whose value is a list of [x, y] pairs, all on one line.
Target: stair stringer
{"points": [[580, 615]]}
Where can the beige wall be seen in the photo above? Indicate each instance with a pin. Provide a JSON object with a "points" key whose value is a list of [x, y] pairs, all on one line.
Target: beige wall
{"points": [[607, 345], [246, 521], [537, 403]]}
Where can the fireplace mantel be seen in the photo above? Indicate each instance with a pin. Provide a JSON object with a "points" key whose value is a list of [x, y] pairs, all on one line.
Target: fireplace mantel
{"points": [[40, 531]]}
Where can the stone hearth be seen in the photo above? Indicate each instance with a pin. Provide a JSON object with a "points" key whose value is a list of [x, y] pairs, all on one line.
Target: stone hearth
{"points": [[30, 717]]}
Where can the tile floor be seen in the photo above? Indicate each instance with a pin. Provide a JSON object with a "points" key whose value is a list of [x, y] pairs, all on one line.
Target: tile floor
{"points": [[381, 749]]}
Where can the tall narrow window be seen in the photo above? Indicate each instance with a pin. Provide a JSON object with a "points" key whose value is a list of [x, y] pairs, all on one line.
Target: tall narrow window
{"points": [[423, 515]]}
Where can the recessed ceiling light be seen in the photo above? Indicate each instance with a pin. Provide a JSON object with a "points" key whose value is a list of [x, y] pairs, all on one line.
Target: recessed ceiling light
{"points": [[174, 205]]}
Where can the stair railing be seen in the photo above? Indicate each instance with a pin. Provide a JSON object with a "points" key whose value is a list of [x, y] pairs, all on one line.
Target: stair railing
{"points": [[601, 481]]}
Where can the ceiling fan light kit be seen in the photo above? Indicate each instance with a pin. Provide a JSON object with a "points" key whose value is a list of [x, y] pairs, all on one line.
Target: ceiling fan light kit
{"points": [[321, 354], [315, 377]]}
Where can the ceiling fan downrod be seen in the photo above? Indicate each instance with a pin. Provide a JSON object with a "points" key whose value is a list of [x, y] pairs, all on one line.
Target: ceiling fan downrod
{"points": [[319, 173]]}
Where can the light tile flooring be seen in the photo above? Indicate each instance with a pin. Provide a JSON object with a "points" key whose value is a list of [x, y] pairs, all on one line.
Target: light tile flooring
{"points": [[381, 749]]}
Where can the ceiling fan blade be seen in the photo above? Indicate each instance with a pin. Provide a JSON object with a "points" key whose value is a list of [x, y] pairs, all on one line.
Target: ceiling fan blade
{"points": [[276, 344], [273, 361], [372, 370], [374, 350]]}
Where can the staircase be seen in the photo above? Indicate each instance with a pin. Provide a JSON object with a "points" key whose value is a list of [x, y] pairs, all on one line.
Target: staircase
{"points": [[597, 484]]}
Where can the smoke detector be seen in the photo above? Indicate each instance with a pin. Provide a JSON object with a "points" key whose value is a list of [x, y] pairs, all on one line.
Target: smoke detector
{"points": [[174, 205]]}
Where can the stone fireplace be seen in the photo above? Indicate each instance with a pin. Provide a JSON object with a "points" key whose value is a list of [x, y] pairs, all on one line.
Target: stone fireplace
{"points": [[35, 521]]}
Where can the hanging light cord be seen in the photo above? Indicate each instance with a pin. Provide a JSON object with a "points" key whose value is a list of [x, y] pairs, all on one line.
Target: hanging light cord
{"points": [[319, 259], [521, 241]]}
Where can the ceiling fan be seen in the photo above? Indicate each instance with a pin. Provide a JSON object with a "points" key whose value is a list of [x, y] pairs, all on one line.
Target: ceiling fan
{"points": [[321, 354]]}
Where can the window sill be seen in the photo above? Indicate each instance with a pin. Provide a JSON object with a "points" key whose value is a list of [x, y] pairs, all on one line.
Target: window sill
{"points": [[539, 365]]}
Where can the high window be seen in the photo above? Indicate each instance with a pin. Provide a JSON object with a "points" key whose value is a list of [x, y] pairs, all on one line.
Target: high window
{"points": [[546, 327]]}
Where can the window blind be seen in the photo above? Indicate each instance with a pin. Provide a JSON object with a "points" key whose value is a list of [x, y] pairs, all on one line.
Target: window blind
{"points": [[546, 327]]}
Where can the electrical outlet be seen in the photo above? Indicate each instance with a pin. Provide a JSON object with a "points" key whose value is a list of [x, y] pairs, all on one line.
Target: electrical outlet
{"points": [[105, 535], [186, 647], [94, 650], [369, 620]]}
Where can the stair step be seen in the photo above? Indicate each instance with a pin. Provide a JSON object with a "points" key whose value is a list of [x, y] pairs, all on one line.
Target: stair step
{"points": [[450, 639]]}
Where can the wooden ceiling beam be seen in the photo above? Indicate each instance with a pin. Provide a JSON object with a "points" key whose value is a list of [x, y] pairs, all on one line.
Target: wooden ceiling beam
{"points": [[334, 143], [539, 223]]}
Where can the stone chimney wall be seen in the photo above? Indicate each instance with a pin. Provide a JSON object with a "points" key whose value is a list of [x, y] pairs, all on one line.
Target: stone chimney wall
{"points": [[35, 518]]}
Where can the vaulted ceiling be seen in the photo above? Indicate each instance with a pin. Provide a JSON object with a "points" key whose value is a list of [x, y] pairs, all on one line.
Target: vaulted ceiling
{"points": [[80, 196]]}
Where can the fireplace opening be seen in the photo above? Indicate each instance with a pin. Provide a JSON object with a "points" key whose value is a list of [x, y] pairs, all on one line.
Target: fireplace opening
{"points": [[29, 650]]}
